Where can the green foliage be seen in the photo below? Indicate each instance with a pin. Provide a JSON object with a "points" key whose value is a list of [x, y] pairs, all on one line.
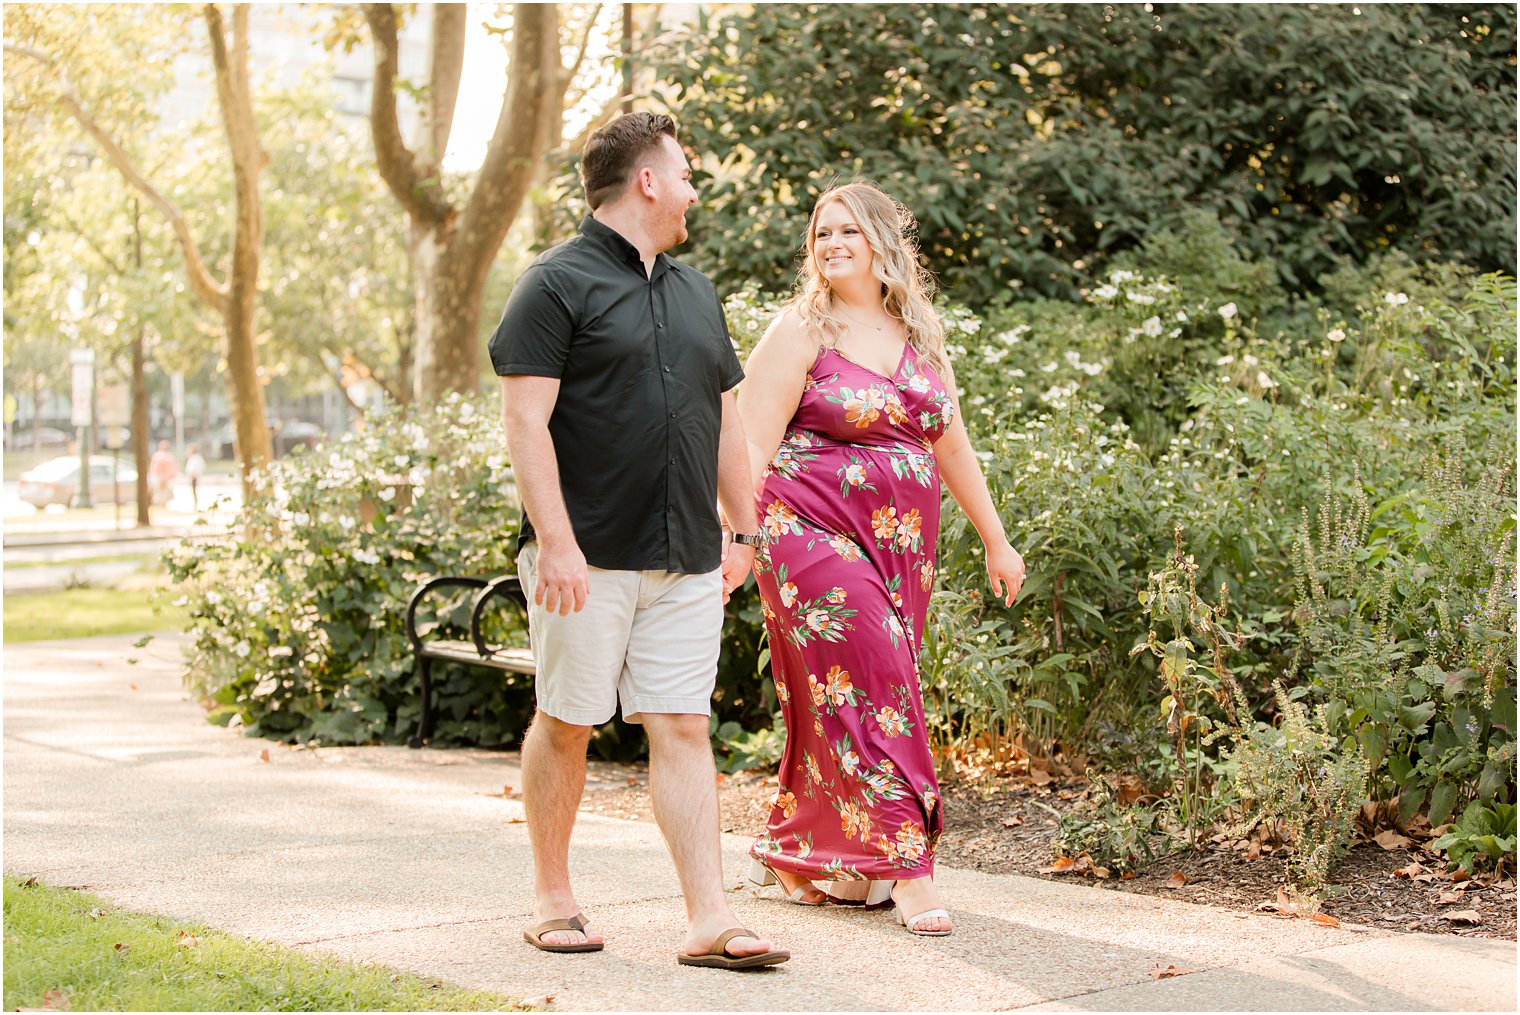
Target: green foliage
{"points": [[71, 951], [1484, 836], [1116, 837], [1297, 774], [298, 624], [1035, 143]]}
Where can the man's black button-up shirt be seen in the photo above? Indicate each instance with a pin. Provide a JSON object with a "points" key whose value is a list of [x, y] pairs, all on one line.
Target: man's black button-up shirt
{"points": [[643, 361]]}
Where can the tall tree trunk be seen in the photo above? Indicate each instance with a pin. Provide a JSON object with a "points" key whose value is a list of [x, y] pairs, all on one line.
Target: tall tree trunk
{"points": [[453, 247], [245, 390], [140, 495]]}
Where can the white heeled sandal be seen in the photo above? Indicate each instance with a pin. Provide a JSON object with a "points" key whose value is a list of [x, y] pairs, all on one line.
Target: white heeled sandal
{"points": [[761, 876], [912, 922]]}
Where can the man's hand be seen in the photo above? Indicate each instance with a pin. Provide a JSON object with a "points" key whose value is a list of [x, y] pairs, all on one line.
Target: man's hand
{"points": [[561, 584], [737, 561]]}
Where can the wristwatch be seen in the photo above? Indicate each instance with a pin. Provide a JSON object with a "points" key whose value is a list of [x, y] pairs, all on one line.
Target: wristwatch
{"points": [[749, 539]]}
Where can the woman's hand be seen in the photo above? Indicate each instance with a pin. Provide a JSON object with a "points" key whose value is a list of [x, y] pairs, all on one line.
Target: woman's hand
{"points": [[1005, 568]]}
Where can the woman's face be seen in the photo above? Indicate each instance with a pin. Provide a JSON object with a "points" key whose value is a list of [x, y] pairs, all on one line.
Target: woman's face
{"points": [[840, 250]]}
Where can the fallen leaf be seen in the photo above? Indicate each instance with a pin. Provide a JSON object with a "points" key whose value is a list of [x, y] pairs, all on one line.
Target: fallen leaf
{"points": [[122, 947], [1425, 879], [96, 913], [1040, 777], [1459, 875], [264, 754], [1448, 898], [1389, 839], [187, 940], [738, 888], [518, 820], [1127, 876], [1253, 851], [1410, 871], [1325, 920], [1469, 916], [543, 1001], [1177, 880], [1014, 821], [1100, 872], [30, 882], [1062, 865], [133, 686], [1161, 972], [633, 780]]}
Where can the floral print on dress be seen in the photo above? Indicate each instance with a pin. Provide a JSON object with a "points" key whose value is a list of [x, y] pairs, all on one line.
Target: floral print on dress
{"points": [[850, 509]]}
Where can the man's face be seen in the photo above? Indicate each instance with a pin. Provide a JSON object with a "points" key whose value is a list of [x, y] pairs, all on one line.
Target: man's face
{"points": [[674, 193]]}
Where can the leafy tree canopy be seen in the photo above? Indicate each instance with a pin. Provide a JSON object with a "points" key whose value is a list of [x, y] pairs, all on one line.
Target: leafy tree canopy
{"points": [[1033, 142]]}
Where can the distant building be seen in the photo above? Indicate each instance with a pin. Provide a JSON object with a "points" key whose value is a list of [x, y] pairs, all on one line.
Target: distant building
{"points": [[284, 44]]}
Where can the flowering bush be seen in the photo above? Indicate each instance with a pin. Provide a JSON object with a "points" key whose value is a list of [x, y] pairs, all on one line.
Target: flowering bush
{"points": [[298, 624]]}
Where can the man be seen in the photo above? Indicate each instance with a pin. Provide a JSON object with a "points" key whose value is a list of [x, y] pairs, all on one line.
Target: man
{"points": [[195, 468], [616, 385]]}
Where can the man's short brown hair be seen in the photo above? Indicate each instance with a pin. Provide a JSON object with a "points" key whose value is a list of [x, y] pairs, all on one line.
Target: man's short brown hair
{"points": [[615, 150]]}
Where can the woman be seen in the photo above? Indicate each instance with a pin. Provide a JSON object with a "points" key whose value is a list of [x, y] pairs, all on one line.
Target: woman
{"points": [[850, 398]]}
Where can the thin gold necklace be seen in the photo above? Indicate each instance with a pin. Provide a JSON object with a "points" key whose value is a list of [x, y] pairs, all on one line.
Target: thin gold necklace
{"points": [[863, 324]]}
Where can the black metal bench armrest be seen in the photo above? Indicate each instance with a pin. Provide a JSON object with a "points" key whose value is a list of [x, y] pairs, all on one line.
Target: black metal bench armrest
{"points": [[506, 586], [421, 591]]}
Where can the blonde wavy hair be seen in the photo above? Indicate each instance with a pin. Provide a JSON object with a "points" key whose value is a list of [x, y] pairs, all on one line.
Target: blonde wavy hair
{"points": [[907, 288]]}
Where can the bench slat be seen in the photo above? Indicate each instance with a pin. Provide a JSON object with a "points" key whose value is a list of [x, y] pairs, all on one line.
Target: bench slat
{"points": [[514, 660]]}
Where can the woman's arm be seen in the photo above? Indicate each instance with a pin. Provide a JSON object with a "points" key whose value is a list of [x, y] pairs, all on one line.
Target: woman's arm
{"points": [[962, 474], [774, 379]]}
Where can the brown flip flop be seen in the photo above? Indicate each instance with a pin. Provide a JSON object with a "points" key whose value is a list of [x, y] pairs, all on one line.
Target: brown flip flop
{"points": [[717, 958], [577, 923]]}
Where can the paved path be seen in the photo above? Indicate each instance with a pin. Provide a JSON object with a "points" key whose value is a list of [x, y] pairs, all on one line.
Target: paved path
{"points": [[408, 858]]}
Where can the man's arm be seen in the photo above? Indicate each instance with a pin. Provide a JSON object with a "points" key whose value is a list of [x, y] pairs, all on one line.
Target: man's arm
{"points": [[527, 402], [735, 495]]}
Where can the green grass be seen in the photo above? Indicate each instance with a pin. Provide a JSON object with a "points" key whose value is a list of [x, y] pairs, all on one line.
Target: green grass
{"points": [[85, 613], [76, 950]]}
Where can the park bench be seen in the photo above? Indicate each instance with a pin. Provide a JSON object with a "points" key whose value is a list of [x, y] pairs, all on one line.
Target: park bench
{"points": [[475, 652]]}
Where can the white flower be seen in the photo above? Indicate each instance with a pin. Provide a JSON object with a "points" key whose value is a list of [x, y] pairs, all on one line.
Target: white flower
{"points": [[1224, 361], [1151, 326], [242, 649], [1262, 380], [1336, 335], [280, 651], [1395, 299], [1140, 298], [1228, 311], [1181, 316], [1105, 292], [1121, 276]]}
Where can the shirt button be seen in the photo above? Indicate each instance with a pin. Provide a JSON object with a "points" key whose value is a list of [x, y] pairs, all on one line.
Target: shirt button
{"points": [[672, 461], [661, 324], [667, 370]]}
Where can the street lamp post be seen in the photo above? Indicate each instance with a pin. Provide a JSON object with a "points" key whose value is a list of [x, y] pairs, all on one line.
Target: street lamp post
{"points": [[82, 415]]}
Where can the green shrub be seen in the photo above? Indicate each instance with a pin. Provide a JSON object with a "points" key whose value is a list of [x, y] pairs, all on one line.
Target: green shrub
{"points": [[1484, 836], [298, 624]]}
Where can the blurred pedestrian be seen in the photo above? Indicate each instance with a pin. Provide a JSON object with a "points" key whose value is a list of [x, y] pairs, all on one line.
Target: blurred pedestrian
{"points": [[195, 468], [162, 468]]}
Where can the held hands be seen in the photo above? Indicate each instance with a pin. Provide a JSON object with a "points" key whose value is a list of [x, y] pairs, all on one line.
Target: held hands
{"points": [[561, 584], [737, 561], [1005, 568]]}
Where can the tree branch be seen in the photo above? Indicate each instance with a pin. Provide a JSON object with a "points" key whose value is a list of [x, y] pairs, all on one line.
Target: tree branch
{"points": [[580, 55], [445, 66], [421, 197], [528, 111], [208, 288]]}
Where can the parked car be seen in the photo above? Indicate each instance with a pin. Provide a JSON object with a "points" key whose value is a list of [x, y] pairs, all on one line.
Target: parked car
{"points": [[56, 481], [39, 437], [283, 435]]}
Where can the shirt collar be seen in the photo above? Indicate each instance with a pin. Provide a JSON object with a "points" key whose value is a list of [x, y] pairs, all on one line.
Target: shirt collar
{"points": [[617, 244]]}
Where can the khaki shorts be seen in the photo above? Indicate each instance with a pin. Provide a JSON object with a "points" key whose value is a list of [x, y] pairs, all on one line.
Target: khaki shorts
{"points": [[649, 639]]}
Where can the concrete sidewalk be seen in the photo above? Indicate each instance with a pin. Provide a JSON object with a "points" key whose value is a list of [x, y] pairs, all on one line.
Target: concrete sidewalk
{"points": [[412, 858]]}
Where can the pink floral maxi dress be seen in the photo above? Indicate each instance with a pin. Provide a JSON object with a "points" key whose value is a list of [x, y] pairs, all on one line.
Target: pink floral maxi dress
{"points": [[850, 509]]}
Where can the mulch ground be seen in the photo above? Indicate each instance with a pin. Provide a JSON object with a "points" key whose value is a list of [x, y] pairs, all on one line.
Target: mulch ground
{"points": [[1005, 826]]}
